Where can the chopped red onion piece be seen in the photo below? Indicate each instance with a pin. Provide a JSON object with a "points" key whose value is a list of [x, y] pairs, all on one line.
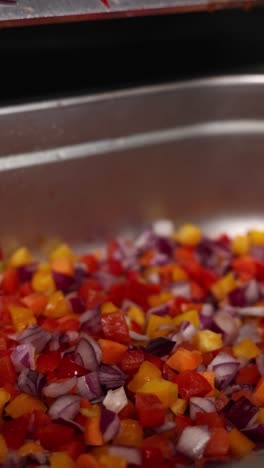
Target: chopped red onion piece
{"points": [[131, 454], [86, 352], [161, 310], [186, 332], [201, 405], [23, 357], [255, 433], [31, 382], [26, 272], [62, 281], [77, 304], [241, 412], [105, 279], [260, 363], [55, 342], [227, 325], [206, 316], [137, 336], [159, 259], [57, 389], [182, 289], [111, 376], [109, 424], [89, 386], [91, 322], [167, 426], [252, 292], [215, 255], [36, 336], [225, 368], [193, 441], [160, 346], [249, 330], [97, 349], [237, 297], [65, 407], [165, 246], [163, 228], [115, 400], [257, 311]]}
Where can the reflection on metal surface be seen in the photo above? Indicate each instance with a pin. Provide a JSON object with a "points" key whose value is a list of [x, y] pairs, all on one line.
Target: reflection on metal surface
{"points": [[46, 11]]}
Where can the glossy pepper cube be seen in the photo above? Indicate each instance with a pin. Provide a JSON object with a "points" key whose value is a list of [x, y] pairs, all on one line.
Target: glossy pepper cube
{"points": [[240, 245], [206, 341], [146, 373], [166, 391], [246, 349], [20, 257], [188, 234]]}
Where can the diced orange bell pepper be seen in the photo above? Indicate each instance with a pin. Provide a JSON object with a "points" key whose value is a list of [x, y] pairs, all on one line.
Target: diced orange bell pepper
{"points": [[146, 373], [246, 349], [29, 448], [159, 299], [35, 301], [23, 404], [218, 444], [21, 317], [62, 251], [4, 398], [57, 306], [43, 281], [239, 444], [166, 391], [188, 234], [59, 459], [86, 460], [62, 265], [92, 433], [183, 359], [240, 245], [131, 433], [112, 351]]}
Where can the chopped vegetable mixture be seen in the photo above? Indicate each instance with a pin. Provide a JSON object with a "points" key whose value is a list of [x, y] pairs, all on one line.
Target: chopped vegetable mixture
{"points": [[145, 353]]}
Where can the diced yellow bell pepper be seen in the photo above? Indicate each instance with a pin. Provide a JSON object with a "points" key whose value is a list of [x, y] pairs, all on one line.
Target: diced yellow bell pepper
{"points": [[246, 349], [223, 286], [3, 450], [188, 234], [107, 461], [160, 299], [206, 341], [130, 433], [180, 406], [191, 316], [165, 390], [256, 237], [240, 245], [62, 251], [29, 448], [108, 308], [239, 444], [4, 398], [136, 315], [21, 317], [159, 326], [24, 404], [260, 418], [43, 281], [61, 459], [145, 373], [21, 256], [178, 274], [57, 306]]}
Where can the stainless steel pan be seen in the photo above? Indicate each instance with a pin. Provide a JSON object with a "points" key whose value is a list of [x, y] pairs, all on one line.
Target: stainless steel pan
{"points": [[87, 168]]}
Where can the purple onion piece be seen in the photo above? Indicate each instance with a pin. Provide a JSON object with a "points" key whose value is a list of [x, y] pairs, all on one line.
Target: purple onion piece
{"points": [[65, 407], [214, 255], [167, 426], [62, 282], [23, 357], [159, 259], [26, 272], [85, 351], [201, 405], [160, 346], [89, 386], [31, 382], [260, 363], [237, 297], [256, 311], [160, 310], [225, 368], [105, 279], [252, 292], [77, 304], [227, 325], [109, 424], [255, 433], [56, 389], [131, 454], [206, 316], [193, 441], [91, 322], [111, 376], [249, 330], [97, 349], [115, 400], [241, 412], [35, 336], [165, 246]]}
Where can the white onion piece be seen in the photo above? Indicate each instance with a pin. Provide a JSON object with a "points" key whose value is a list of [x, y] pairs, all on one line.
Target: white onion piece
{"points": [[57, 389], [201, 405], [115, 400], [193, 441], [163, 228], [257, 311], [131, 454], [65, 407]]}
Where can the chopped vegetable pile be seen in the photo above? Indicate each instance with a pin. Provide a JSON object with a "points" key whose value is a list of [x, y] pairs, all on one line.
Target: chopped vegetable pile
{"points": [[147, 353]]}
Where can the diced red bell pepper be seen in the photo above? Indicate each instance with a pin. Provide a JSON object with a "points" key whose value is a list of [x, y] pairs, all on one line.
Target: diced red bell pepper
{"points": [[10, 281], [115, 267], [26, 289], [248, 375], [151, 412], [209, 419], [218, 444], [152, 457], [128, 412], [73, 448], [48, 362], [15, 431], [182, 421], [176, 305], [91, 263], [154, 360], [117, 293], [139, 292], [245, 267], [168, 373], [67, 369], [160, 442], [191, 383], [91, 292], [53, 435], [115, 328], [7, 371], [132, 360]]}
